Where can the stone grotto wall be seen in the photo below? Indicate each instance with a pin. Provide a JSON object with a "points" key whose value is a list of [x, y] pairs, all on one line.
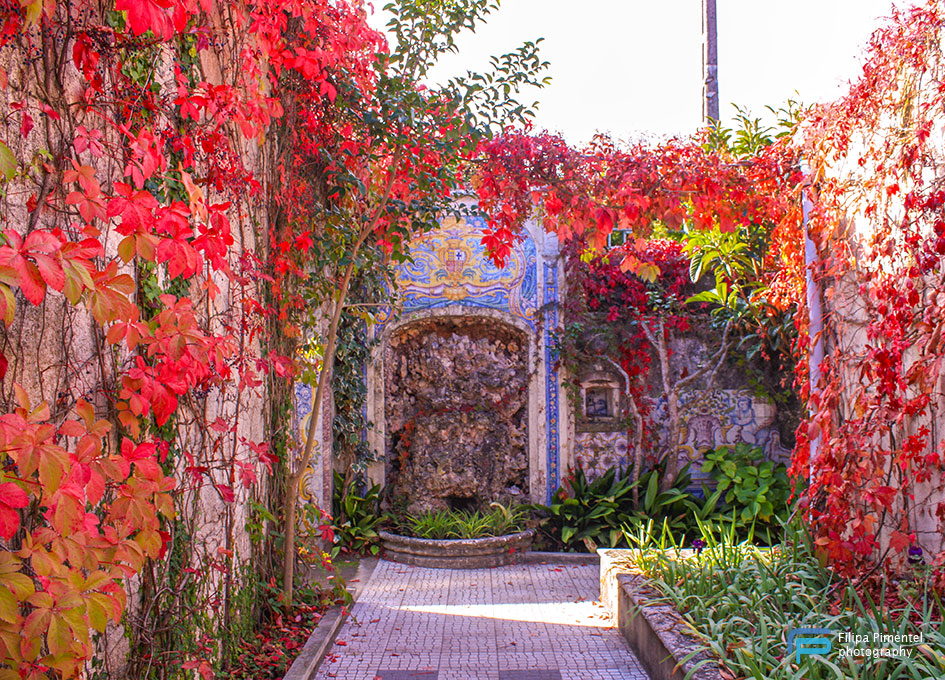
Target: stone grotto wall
{"points": [[456, 413], [463, 384]]}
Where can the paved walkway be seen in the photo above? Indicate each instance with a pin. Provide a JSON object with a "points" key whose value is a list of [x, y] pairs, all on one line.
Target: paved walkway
{"points": [[525, 622]]}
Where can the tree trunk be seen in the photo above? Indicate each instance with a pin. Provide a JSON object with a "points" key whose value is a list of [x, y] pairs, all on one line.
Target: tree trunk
{"points": [[671, 393], [636, 445], [324, 378], [672, 390]]}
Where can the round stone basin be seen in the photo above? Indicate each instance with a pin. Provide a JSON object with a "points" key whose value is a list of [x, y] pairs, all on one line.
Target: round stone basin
{"points": [[456, 553]]}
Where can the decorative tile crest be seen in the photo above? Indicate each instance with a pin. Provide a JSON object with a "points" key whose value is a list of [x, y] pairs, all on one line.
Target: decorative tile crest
{"points": [[450, 266]]}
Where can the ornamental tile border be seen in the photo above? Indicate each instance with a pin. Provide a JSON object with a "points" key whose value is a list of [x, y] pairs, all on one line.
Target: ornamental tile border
{"points": [[551, 375]]}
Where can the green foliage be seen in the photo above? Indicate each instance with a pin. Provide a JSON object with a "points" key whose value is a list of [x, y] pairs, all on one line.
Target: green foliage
{"points": [[588, 514], [591, 514], [756, 488], [742, 601], [257, 518], [423, 32], [430, 524], [751, 135], [736, 259], [350, 394], [750, 500], [356, 518], [445, 524]]}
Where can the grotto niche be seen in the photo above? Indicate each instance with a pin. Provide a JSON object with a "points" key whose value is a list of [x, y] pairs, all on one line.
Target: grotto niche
{"points": [[457, 413]]}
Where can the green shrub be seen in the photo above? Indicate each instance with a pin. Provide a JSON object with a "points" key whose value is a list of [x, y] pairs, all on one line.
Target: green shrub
{"points": [[356, 519], [589, 514], [750, 499], [756, 488], [444, 524], [742, 601]]}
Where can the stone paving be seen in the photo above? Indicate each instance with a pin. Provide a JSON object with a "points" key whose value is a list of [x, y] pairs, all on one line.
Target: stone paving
{"points": [[524, 622]]}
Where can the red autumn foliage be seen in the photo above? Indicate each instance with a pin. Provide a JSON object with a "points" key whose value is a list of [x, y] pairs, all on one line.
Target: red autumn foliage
{"points": [[877, 409]]}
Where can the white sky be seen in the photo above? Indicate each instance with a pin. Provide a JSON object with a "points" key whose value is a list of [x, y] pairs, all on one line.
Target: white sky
{"points": [[634, 67]]}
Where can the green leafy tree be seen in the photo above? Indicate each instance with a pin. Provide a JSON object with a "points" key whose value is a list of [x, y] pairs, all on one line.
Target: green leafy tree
{"points": [[394, 175]]}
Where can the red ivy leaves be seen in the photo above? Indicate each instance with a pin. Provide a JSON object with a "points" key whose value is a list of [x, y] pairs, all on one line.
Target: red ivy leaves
{"points": [[31, 263], [876, 399], [589, 191], [162, 17], [12, 497], [97, 509]]}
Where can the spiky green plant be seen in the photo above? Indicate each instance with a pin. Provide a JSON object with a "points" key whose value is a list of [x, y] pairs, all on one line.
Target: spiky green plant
{"points": [[742, 601]]}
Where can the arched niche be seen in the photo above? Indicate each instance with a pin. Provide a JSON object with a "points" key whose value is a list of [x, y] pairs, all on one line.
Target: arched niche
{"points": [[455, 406]]}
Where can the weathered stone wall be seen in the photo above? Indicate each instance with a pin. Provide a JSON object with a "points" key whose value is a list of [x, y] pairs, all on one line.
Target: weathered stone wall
{"points": [[58, 353], [456, 414], [724, 413]]}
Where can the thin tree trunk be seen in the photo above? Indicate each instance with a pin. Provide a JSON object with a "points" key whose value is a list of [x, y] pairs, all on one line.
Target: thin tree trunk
{"points": [[672, 390], [635, 436], [324, 379], [636, 445], [324, 376]]}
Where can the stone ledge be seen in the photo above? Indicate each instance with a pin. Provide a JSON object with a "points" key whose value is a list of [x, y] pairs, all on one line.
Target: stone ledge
{"points": [[654, 630], [471, 553], [543, 557], [306, 663], [319, 642]]}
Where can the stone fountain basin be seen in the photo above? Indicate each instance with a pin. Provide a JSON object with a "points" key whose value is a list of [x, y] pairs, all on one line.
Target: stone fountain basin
{"points": [[457, 553]]}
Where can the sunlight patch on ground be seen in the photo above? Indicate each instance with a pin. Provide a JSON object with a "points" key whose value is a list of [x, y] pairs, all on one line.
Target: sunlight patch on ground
{"points": [[588, 614]]}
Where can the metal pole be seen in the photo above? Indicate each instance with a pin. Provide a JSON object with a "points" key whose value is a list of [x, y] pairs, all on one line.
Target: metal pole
{"points": [[710, 63]]}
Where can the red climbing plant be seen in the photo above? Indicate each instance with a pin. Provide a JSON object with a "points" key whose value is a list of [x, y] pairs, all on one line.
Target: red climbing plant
{"points": [[587, 193], [874, 443], [185, 183], [590, 191], [128, 195]]}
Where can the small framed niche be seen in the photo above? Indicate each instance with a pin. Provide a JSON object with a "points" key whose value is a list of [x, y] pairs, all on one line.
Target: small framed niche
{"points": [[600, 407]]}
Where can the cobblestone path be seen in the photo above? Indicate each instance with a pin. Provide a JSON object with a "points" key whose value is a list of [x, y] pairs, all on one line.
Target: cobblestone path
{"points": [[525, 622]]}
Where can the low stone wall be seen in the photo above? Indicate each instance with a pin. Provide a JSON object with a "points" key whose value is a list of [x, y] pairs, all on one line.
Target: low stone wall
{"points": [[653, 628], [474, 553]]}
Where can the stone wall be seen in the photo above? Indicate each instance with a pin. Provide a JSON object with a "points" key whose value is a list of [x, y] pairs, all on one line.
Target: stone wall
{"points": [[460, 418], [456, 414], [57, 353], [725, 413]]}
